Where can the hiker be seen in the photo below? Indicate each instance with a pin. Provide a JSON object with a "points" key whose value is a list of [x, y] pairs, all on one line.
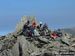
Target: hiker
{"points": [[59, 33], [54, 35], [26, 28], [26, 25], [55, 31], [34, 24], [44, 32], [31, 28], [36, 33], [30, 34], [39, 26], [45, 26]]}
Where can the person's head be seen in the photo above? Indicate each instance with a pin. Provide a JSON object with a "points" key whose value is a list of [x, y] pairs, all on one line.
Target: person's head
{"points": [[40, 22], [28, 22], [34, 24], [59, 29], [46, 26]]}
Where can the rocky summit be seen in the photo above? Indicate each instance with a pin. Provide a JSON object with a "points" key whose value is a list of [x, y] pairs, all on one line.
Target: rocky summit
{"points": [[16, 44]]}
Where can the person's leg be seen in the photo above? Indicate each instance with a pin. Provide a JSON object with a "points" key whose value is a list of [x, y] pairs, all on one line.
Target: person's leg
{"points": [[45, 32]]}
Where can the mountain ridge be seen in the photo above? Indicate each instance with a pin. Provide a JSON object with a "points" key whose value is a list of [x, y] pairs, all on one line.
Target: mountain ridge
{"points": [[70, 30]]}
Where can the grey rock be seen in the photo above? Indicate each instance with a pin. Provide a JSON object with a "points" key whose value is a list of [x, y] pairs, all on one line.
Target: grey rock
{"points": [[20, 25], [0, 46], [26, 47], [35, 54], [73, 45], [65, 40], [15, 50], [6, 53], [32, 19], [43, 40]]}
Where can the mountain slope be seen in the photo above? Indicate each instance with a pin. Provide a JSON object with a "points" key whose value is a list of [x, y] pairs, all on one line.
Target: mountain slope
{"points": [[70, 30], [17, 44]]}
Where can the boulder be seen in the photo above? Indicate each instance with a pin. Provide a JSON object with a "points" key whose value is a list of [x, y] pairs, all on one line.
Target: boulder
{"points": [[6, 53], [43, 40], [65, 40], [15, 50], [73, 45], [72, 48], [26, 47], [2, 37], [0, 46]]}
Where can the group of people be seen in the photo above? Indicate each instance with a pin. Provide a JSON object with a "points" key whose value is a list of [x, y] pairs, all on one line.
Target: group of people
{"points": [[35, 29]]}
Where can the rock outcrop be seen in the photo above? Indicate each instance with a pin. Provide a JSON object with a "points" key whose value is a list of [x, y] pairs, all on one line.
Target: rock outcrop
{"points": [[15, 44]]}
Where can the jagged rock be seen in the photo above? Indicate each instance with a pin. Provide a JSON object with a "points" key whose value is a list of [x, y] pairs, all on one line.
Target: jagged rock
{"points": [[72, 48], [35, 54], [49, 46], [25, 46], [43, 40], [72, 40], [36, 43], [0, 46], [65, 48], [15, 50], [65, 40], [7, 43], [56, 44], [73, 45], [20, 25], [2, 37], [47, 54], [6, 53], [9, 35], [32, 19]]}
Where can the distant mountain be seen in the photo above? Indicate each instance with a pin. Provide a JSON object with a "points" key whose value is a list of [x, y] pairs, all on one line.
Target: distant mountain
{"points": [[70, 30]]}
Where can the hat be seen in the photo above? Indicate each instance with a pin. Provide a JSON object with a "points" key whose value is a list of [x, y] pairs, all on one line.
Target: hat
{"points": [[40, 22]]}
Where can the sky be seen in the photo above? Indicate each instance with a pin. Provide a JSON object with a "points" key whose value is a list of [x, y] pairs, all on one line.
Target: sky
{"points": [[56, 13]]}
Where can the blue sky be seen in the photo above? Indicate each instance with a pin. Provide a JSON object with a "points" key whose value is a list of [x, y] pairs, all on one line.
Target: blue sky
{"points": [[56, 13]]}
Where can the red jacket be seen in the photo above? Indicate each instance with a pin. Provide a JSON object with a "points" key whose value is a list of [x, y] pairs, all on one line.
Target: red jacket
{"points": [[55, 35], [34, 24]]}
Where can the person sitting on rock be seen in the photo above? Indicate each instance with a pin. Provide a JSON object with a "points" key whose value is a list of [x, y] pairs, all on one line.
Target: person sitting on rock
{"points": [[26, 28], [36, 33], [34, 24], [31, 33], [54, 35], [45, 27], [39, 26], [59, 33]]}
